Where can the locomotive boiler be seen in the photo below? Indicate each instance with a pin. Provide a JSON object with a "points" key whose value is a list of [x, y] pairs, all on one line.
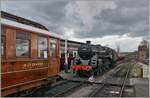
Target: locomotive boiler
{"points": [[93, 59]]}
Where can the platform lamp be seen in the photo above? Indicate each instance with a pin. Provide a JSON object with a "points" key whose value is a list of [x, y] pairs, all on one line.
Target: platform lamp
{"points": [[66, 48], [66, 53]]}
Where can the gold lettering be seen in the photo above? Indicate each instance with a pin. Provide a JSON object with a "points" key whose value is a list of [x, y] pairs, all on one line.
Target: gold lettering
{"points": [[34, 65]]}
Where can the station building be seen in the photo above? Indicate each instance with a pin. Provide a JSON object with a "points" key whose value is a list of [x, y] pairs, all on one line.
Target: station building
{"points": [[72, 51], [143, 54], [143, 50], [72, 47]]}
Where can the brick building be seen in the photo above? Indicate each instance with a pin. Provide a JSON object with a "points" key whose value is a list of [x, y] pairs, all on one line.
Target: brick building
{"points": [[143, 50]]}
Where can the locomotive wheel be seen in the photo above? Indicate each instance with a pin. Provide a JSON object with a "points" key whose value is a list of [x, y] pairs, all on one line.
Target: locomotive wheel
{"points": [[103, 68], [100, 71], [107, 67], [95, 73], [78, 73]]}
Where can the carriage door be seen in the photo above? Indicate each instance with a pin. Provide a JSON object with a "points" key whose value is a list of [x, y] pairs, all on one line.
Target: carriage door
{"points": [[54, 58]]}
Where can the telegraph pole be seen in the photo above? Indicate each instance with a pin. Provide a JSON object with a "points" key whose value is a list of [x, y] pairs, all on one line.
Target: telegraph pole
{"points": [[118, 49]]}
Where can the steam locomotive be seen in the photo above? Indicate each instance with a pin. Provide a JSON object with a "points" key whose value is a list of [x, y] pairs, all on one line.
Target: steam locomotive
{"points": [[93, 59]]}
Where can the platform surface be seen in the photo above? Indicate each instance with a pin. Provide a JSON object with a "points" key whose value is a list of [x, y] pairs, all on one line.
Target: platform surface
{"points": [[141, 87], [71, 76]]}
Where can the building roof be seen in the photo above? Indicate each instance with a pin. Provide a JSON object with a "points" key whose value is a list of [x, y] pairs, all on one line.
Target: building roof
{"points": [[144, 43], [70, 41]]}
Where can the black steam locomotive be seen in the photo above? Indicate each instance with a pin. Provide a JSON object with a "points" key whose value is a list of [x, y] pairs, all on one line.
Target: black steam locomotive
{"points": [[93, 59]]}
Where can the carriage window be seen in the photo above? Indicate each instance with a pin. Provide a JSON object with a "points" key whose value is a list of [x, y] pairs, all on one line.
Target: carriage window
{"points": [[2, 46], [2, 41], [52, 49], [22, 48], [62, 52], [42, 47], [22, 44]]}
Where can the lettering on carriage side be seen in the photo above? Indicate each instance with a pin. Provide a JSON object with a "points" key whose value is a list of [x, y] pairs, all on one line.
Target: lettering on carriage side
{"points": [[34, 65]]}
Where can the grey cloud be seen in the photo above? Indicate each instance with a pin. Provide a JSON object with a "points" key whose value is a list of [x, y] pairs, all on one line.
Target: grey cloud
{"points": [[126, 18], [52, 10], [132, 3], [130, 16]]}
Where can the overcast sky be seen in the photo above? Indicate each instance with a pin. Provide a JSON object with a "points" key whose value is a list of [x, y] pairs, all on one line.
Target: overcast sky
{"points": [[105, 22]]}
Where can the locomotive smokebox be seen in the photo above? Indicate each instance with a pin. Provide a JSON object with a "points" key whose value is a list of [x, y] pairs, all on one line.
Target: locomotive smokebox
{"points": [[88, 42], [85, 51]]}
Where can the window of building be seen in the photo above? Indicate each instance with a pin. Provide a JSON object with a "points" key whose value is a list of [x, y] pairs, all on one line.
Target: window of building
{"points": [[42, 47], [22, 44], [75, 53], [53, 49], [70, 53], [3, 36]]}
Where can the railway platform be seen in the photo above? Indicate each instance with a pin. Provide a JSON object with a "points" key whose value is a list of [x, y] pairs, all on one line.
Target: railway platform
{"points": [[137, 87], [141, 87], [70, 76]]}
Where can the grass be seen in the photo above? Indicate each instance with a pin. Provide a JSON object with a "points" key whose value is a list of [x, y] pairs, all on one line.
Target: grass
{"points": [[136, 71]]}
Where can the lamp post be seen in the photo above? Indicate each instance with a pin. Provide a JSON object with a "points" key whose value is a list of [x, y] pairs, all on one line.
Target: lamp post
{"points": [[66, 54]]}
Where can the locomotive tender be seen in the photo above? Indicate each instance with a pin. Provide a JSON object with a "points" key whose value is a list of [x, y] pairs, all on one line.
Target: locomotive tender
{"points": [[93, 59]]}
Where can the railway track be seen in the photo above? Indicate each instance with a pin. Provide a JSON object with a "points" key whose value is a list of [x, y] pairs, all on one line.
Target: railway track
{"points": [[108, 90], [57, 90], [62, 89], [66, 87]]}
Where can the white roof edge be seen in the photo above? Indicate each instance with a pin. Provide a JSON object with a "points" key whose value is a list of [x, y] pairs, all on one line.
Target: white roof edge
{"points": [[27, 27]]}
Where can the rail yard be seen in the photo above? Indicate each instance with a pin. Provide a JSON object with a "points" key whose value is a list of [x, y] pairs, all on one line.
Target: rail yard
{"points": [[115, 82], [83, 51]]}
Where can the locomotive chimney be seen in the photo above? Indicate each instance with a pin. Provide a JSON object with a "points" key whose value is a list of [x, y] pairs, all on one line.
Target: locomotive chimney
{"points": [[88, 42]]}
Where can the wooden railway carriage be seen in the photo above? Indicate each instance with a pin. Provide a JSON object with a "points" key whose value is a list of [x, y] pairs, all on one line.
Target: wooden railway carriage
{"points": [[29, 54]]}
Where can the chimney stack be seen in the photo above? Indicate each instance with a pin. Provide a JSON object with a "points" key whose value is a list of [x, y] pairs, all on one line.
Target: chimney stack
{"points": [[88, 42]]}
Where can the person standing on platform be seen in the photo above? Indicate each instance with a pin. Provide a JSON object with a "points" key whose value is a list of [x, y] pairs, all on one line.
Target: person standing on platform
{"points": [[66, 67]]}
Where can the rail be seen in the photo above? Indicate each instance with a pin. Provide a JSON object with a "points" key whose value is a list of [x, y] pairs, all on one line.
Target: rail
{"points": [[103, 86], [124, 81], [57, 90], [67, 90]]}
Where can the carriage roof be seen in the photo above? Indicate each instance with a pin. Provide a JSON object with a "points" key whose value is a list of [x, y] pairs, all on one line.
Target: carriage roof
{"points": [[25, 24]]}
